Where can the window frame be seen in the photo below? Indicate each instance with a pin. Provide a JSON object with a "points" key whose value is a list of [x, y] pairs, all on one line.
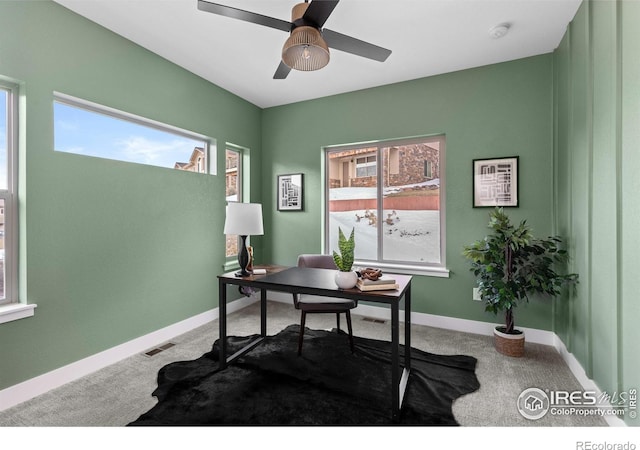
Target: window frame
{"points": [[244, 164], [231, 261], [428, 269], [9, 196], [96, 108], [238, 151]]}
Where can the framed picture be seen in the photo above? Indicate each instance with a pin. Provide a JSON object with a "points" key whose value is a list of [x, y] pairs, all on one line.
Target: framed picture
{"points": [[290, 192], [495, 182]]}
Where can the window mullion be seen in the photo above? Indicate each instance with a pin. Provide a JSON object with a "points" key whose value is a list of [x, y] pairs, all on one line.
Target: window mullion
{"points": [[380, 201]]}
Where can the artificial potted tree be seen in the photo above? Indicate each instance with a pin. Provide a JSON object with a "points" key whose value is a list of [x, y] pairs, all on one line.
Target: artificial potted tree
{"points": [[511, 265], [345, 278]]}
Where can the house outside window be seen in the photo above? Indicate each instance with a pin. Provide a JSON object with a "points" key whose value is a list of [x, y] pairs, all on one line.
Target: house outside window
{"points": [[8, 193], [233, 192], [396, 208], [196, 162]]}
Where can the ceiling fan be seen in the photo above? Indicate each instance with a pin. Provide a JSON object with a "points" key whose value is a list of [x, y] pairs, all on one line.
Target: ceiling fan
{"points": [[307, 47]]}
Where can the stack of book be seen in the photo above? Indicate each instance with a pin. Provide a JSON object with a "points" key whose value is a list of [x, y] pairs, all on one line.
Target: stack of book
{"points": [[383, 283]]}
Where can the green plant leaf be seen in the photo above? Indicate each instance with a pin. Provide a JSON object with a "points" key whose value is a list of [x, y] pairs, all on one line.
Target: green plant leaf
{"points": [[344, 260], [510, 264]]}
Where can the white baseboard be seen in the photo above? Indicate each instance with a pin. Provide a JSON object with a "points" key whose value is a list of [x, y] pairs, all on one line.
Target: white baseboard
{"points": [[39, 385], [483, 328], [449, 323], [33, 387], [587, 383]]}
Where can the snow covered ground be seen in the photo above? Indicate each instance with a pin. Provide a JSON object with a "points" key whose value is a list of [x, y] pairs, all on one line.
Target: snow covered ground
{"points": [[413, 237]]}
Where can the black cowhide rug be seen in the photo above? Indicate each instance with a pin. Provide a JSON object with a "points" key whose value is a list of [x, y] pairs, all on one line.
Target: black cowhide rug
{"points": [[327, 385]]}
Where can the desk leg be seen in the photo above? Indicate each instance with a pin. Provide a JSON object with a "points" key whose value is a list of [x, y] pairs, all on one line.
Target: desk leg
{"points": [[395, 363], [407, 329], [263, 312], [222, 320], [402, 387]]}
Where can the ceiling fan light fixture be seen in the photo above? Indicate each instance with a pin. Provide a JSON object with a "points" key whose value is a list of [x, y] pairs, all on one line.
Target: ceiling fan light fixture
{"points": [[305, 49]]}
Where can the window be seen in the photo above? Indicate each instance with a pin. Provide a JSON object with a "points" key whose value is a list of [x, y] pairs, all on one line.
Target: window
{"points": [[396, 207], [366, 166], [428, 169], [89, 129], [8, 184], [233, 183]]}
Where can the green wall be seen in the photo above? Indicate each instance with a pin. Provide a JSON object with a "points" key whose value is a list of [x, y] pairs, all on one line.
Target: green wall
{"points": [[597, 87], [498, 110], [111, 250]]}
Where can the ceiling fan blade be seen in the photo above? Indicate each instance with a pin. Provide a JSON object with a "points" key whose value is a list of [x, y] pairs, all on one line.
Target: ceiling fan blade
{"points": [[246, 16], [282, 71], [319, 11], [355, 46]]}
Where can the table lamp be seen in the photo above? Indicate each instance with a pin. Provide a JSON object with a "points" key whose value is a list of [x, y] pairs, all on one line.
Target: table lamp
{"points": [[243, 219]]}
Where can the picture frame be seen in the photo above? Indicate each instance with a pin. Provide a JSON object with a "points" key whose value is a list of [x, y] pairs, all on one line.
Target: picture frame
{"points": [[495, 182], [290, 192]]}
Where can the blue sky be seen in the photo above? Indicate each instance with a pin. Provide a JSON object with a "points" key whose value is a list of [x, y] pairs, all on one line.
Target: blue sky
{"points": [[87, 133]]}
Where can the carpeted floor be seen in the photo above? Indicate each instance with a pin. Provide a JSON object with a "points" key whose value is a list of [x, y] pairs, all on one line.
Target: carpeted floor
{"points": [[327, 385], [119, 394]]}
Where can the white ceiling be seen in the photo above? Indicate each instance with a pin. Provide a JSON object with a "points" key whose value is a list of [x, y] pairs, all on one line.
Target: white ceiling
{"points": [[427, 37]]}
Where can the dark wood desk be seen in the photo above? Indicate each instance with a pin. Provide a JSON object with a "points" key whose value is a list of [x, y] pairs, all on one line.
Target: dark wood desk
{"points": [[320, 282]]}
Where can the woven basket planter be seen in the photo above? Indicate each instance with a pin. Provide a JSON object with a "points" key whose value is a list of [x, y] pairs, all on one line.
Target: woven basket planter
{"points": [[509, 344]]}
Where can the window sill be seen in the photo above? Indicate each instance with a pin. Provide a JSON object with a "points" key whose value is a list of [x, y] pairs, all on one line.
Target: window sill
{"points": [[15, 311], [441, 272], [231, 265]]}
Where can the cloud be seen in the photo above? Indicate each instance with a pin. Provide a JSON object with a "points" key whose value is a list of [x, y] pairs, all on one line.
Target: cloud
{"points": [[160, 153], [66, 125]]}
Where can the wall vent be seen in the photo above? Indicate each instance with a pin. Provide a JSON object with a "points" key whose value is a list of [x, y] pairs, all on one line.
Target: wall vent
{"points": [[157, 350]]}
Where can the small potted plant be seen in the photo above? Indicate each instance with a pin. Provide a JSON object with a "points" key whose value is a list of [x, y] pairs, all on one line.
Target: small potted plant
{"points": [[511, 265], [345, 278]]}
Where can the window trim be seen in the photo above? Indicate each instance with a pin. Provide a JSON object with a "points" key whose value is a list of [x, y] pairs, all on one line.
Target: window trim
{"points": [[240, 174], [11, 233], [75, 102], [15, 311], [231, 261], [431, 269]]}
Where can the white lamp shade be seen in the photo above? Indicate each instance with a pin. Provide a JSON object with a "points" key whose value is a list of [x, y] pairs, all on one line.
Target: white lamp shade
{"points": [[244, 219]]}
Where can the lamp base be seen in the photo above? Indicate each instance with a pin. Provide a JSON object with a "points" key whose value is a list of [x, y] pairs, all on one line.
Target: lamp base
{"points": [[243, 258]]}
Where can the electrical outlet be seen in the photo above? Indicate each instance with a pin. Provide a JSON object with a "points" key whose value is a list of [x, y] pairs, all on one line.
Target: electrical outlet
{"points": [[476, 294]]}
